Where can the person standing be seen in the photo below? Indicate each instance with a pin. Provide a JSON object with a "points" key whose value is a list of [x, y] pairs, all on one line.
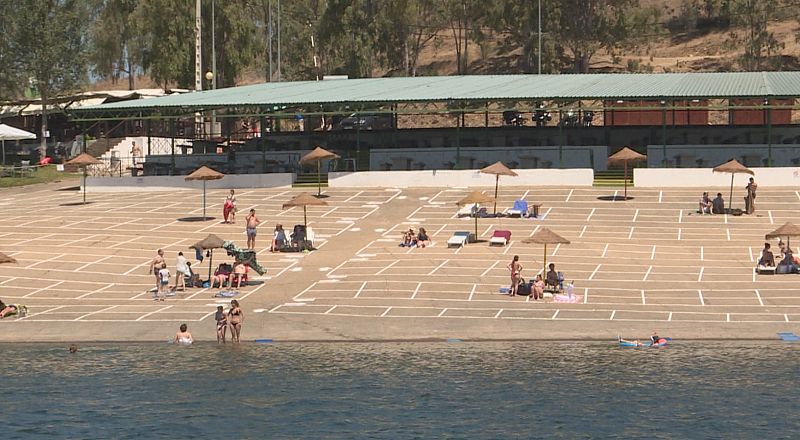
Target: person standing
{"points": [[136, 154], [156, 265], [181, 272], [516, 275], [163, 286], [222, 324], [750, 200], [252, 224], [229, 208], [235, 320]]}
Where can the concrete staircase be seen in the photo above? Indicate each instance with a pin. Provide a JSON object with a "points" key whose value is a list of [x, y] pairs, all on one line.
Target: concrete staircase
{"points": [[612, 178], [309, 180]]}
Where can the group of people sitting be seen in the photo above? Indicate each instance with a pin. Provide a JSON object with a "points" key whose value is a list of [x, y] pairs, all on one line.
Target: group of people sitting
{"points": [[225, 273], [553, 281], [708, 206], [786, 263], [299, 239], [411, 239]]}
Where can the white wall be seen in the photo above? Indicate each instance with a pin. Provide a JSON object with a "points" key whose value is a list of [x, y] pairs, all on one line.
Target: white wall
{"points": [[463, 178], [172, 183], [704, 177]]}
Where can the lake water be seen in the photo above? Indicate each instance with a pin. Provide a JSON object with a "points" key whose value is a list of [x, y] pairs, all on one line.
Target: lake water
{"points": [[401, 391]]}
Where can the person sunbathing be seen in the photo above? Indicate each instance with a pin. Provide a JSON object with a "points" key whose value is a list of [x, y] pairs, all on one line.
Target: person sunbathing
{"points": [[7, 310], [705, 204], [422, 238], [767, 259], [409, 238], [554, 279], [239, 271], [221, 275]]}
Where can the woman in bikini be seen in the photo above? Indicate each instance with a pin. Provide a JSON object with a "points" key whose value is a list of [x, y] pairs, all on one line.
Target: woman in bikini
{"points": [[229, 208], [235, 318], [7, 310], [516, 271]]}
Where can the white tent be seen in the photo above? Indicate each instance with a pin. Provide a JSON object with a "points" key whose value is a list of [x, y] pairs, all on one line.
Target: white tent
{"points": [[9, 133]]}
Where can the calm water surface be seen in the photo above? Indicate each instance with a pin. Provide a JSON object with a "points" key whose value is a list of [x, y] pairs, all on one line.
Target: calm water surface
{"points": [[401, 390]]}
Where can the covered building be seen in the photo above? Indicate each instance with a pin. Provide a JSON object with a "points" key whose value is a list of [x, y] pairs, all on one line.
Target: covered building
{"points": [[528, 121]]}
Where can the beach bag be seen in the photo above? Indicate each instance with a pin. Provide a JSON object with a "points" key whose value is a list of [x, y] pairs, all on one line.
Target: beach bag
{"points": [[524, 289]]}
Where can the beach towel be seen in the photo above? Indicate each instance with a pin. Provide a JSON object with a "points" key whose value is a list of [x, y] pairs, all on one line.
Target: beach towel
{"points": [[567, 299], [226, 294]]}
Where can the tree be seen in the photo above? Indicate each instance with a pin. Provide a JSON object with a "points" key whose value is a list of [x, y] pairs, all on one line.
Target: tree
{"points": [[408, 26], [586, 26], [164, 40], [49, 41], [759, 43], [10, 75], [519, 22], [111, 35]]}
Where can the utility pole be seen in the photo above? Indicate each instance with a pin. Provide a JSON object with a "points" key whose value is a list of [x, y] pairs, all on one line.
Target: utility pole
{"points": [[279, 40], [540, 38], [198, 62], [213, 63], [269, 39]]}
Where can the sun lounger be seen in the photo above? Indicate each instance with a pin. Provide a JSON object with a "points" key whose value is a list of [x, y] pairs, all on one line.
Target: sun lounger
{"points": [[459, 238], [519, 209], [466, 210], [500, 237], [765, 270]]}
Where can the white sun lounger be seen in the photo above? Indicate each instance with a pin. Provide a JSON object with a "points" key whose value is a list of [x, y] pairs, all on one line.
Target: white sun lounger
{"points": [[458, 239]]}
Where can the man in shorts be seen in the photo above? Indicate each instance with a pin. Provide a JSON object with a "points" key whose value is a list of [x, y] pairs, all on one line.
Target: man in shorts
{"points": [[156, 265], [252, 223]]}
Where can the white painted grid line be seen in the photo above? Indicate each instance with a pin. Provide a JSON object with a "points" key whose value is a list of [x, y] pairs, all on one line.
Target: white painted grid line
{"points": [[591, 214], [647, 274], [360, 289], [385, 312], [680, 217], [483, 274], [595, 271], [329, 310], [635, 215], [568, 195], [630, 235], [95, 312], [669, 318], [583, 231], [770, 217], [702, 301], [585, 295], [498, 313], [728, 233], [472, 292], [644, 302], [153, 312], [439, 266], [555, 314], [605, 249], [441, 313], [653, 254], [387, 267], [613, 312], [700, 276], [758, 295]]}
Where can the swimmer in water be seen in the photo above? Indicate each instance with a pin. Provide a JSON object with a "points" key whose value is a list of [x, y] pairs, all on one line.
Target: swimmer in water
{"points": [[183, 336]]}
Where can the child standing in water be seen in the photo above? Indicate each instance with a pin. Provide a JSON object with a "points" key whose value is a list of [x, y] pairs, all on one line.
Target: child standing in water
{"points": [[222, 324]]}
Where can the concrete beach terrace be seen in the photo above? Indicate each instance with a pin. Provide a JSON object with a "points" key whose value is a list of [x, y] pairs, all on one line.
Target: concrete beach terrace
{"points": [[647, 264]]}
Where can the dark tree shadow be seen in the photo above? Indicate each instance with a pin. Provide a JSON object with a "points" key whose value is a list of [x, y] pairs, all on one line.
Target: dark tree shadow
{"points": [[195, 219], [76, 203], [615, 198]]}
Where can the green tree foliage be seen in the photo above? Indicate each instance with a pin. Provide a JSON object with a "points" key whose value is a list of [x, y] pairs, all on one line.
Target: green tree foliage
{"points": [[164, 40], [409, 27], [586, 26], [519, 22], [759, 43], [48, 41], [111, 35], [11, 78]]}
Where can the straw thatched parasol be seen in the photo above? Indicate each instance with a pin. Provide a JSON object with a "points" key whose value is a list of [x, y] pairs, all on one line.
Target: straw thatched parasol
{"points": [[626, 155], [83, 160], [545, 236], [209, 243], [734, 167], [304, 199], [498, 169], [205, 174], [477, 198], [787, 230], [5, 259], [318, 155]]}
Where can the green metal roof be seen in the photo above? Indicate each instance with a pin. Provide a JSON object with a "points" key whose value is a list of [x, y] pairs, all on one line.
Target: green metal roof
{"points": [[473, 88]]}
